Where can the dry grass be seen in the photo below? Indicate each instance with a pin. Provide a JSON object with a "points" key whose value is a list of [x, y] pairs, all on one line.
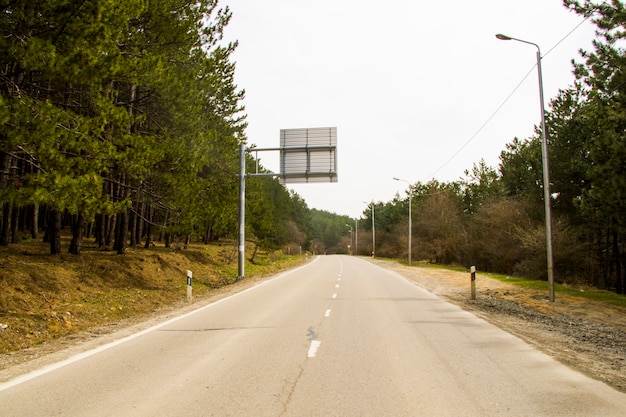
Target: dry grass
{"points": [[44, 297]]}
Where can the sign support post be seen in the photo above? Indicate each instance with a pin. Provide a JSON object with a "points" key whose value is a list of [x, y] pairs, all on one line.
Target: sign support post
{"points": [[242, 212], [306, 155]]}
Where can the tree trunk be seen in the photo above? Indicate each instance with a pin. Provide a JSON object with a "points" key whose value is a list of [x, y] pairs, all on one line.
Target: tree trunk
{"points": [[109, 231], [617, 256], [122, 232], [623, 275], [14, 223], [140, 222], [132, 225], [149, 228], [98, 231], [207, 232], [54, 232], [256, 248], [7, 212], [23, 220], [34, 226], [78, 228], [5, 171]]}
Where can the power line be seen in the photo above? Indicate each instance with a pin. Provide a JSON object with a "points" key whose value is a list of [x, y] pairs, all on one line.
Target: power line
{"points": [[484, 124], [480, 129], [570, 32]]}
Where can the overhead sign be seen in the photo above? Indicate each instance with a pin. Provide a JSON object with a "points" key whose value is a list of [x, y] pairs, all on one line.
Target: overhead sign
{"points": [[308, 155]]}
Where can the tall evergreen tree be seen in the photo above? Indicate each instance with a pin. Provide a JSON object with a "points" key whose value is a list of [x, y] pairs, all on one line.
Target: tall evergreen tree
{"points": [[603, 73]]}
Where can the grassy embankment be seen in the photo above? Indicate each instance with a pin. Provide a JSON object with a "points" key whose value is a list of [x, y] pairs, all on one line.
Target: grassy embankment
{"points": [[44, 297], [581, 291]]}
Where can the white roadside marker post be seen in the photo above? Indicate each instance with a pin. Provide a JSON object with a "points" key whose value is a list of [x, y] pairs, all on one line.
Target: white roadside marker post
{"points": [[473, 278], [189, 293]]}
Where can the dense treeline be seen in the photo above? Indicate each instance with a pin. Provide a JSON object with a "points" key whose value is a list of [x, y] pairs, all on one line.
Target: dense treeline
{"points": [[121, 121], [329, 232], [495, 218]]}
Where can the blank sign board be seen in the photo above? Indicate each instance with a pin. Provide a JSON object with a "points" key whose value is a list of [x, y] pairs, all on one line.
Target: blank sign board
{"points": [[308, 155]]}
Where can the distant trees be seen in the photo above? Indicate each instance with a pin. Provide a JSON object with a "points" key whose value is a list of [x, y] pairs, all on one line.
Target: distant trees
{"points": [[329, 232]]}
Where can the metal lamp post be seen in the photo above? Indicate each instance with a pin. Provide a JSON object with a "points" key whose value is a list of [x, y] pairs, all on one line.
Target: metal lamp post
{"points": [[356, 237], [410, 228], [373, 230], [546, 170], [350, 245]]}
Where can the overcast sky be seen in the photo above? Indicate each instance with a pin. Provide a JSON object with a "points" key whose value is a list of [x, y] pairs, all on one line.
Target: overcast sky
{"points": [[407, 83]]}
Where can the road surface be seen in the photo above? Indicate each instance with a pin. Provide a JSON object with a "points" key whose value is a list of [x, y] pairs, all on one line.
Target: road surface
{"points": [[336, 337]]}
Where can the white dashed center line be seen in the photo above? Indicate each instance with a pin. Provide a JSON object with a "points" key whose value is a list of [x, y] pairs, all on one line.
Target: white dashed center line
{"points": [[315, 344]]}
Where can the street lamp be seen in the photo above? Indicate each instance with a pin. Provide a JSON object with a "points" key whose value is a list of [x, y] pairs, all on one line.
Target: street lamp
{"points": [[410, 228], [546, 170], [350, 245], [373, 230], [356, 237]]}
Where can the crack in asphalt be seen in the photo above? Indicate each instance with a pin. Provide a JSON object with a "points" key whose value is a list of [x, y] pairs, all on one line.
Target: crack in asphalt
{"points": [[311, 333], [289, 387]]}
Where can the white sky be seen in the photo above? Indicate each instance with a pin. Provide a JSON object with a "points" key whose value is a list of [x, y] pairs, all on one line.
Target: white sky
{"points": [[407, 83]]}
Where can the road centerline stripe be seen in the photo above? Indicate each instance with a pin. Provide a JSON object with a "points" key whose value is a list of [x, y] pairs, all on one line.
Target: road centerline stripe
{"points": [[315, 344]]}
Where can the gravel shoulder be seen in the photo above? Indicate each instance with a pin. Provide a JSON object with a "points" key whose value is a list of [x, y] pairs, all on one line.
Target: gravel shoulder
{"points": [[585, 335]]}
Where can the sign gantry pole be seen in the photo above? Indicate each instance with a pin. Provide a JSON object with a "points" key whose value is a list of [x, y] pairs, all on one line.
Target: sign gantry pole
{"points": [[242, 211], [307, 155]]}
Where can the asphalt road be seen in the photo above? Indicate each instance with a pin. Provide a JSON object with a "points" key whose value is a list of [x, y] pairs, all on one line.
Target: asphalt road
{"points": [[337, 337]]}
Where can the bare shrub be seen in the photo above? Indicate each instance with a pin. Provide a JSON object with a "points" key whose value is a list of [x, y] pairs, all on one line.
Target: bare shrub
{"points": [[439, 229], [495, 234], [571, 255], [228, 254]]}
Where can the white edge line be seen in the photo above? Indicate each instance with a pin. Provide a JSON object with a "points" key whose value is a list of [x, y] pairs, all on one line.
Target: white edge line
{"points": [[52, 367]]}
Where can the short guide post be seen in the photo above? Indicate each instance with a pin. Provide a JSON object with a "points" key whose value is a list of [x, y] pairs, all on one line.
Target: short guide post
{"points": [[473, 278], [189, 293]]}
